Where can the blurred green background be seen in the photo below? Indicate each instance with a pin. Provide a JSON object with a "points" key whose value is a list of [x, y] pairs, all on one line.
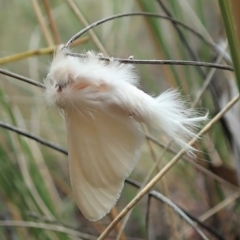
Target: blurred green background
{"points": [[34, 180]]}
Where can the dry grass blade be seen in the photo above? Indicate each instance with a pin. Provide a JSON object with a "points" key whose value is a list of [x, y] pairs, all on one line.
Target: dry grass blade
{"points": [[208, 79], [42, 24], [81, 18], [44, 226], [41, 51], [143, 184], [51, 22], [215, 209], [182, 214], [156, 165], [166, 169], [24, 169], [219, 206]]}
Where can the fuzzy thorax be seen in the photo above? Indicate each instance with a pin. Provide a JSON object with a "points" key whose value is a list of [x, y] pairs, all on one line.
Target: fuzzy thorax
{"points": [[70, 77]]}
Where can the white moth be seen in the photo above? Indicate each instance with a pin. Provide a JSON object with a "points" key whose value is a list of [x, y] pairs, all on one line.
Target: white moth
{"points": [[103, 109]]}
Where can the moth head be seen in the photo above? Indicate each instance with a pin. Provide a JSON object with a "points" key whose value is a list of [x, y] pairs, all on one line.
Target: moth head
{"points": [[58, 79]]}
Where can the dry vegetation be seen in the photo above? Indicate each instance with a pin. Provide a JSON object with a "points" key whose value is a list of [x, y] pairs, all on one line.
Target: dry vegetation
{"points": [[35, 194]]}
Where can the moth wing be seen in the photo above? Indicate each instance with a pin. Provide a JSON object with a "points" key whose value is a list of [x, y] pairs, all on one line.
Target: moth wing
{"points": [[103, 150]]}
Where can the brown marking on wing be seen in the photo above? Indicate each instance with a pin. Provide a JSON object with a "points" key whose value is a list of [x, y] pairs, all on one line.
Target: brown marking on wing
{"points": [[80, 85], [83, 84]]}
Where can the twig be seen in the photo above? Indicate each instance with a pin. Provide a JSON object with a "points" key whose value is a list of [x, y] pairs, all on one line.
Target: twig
{"points": [[206, 226], [155, 194], [158, 62], [143, 14], [166, 169], [37, 139], [182, 214], [22, 78]]}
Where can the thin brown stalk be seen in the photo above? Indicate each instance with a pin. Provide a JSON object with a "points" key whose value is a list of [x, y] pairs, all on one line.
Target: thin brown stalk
{"points": [[159, 196], [166, 169], [40, 18], [215, 210], [113, 213], [81, 18], [52, 22], [195, 165], [182, 214], [156, 165], [219, 206], [143, 184]]}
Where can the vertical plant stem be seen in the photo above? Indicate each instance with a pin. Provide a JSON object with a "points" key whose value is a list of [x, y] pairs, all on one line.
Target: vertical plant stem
{"points": [[228, 20], [51, 22], [91, 33], [42, 24]]}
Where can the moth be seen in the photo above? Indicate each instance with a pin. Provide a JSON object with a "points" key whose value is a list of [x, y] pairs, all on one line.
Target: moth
{"points": [[104, 109]]}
